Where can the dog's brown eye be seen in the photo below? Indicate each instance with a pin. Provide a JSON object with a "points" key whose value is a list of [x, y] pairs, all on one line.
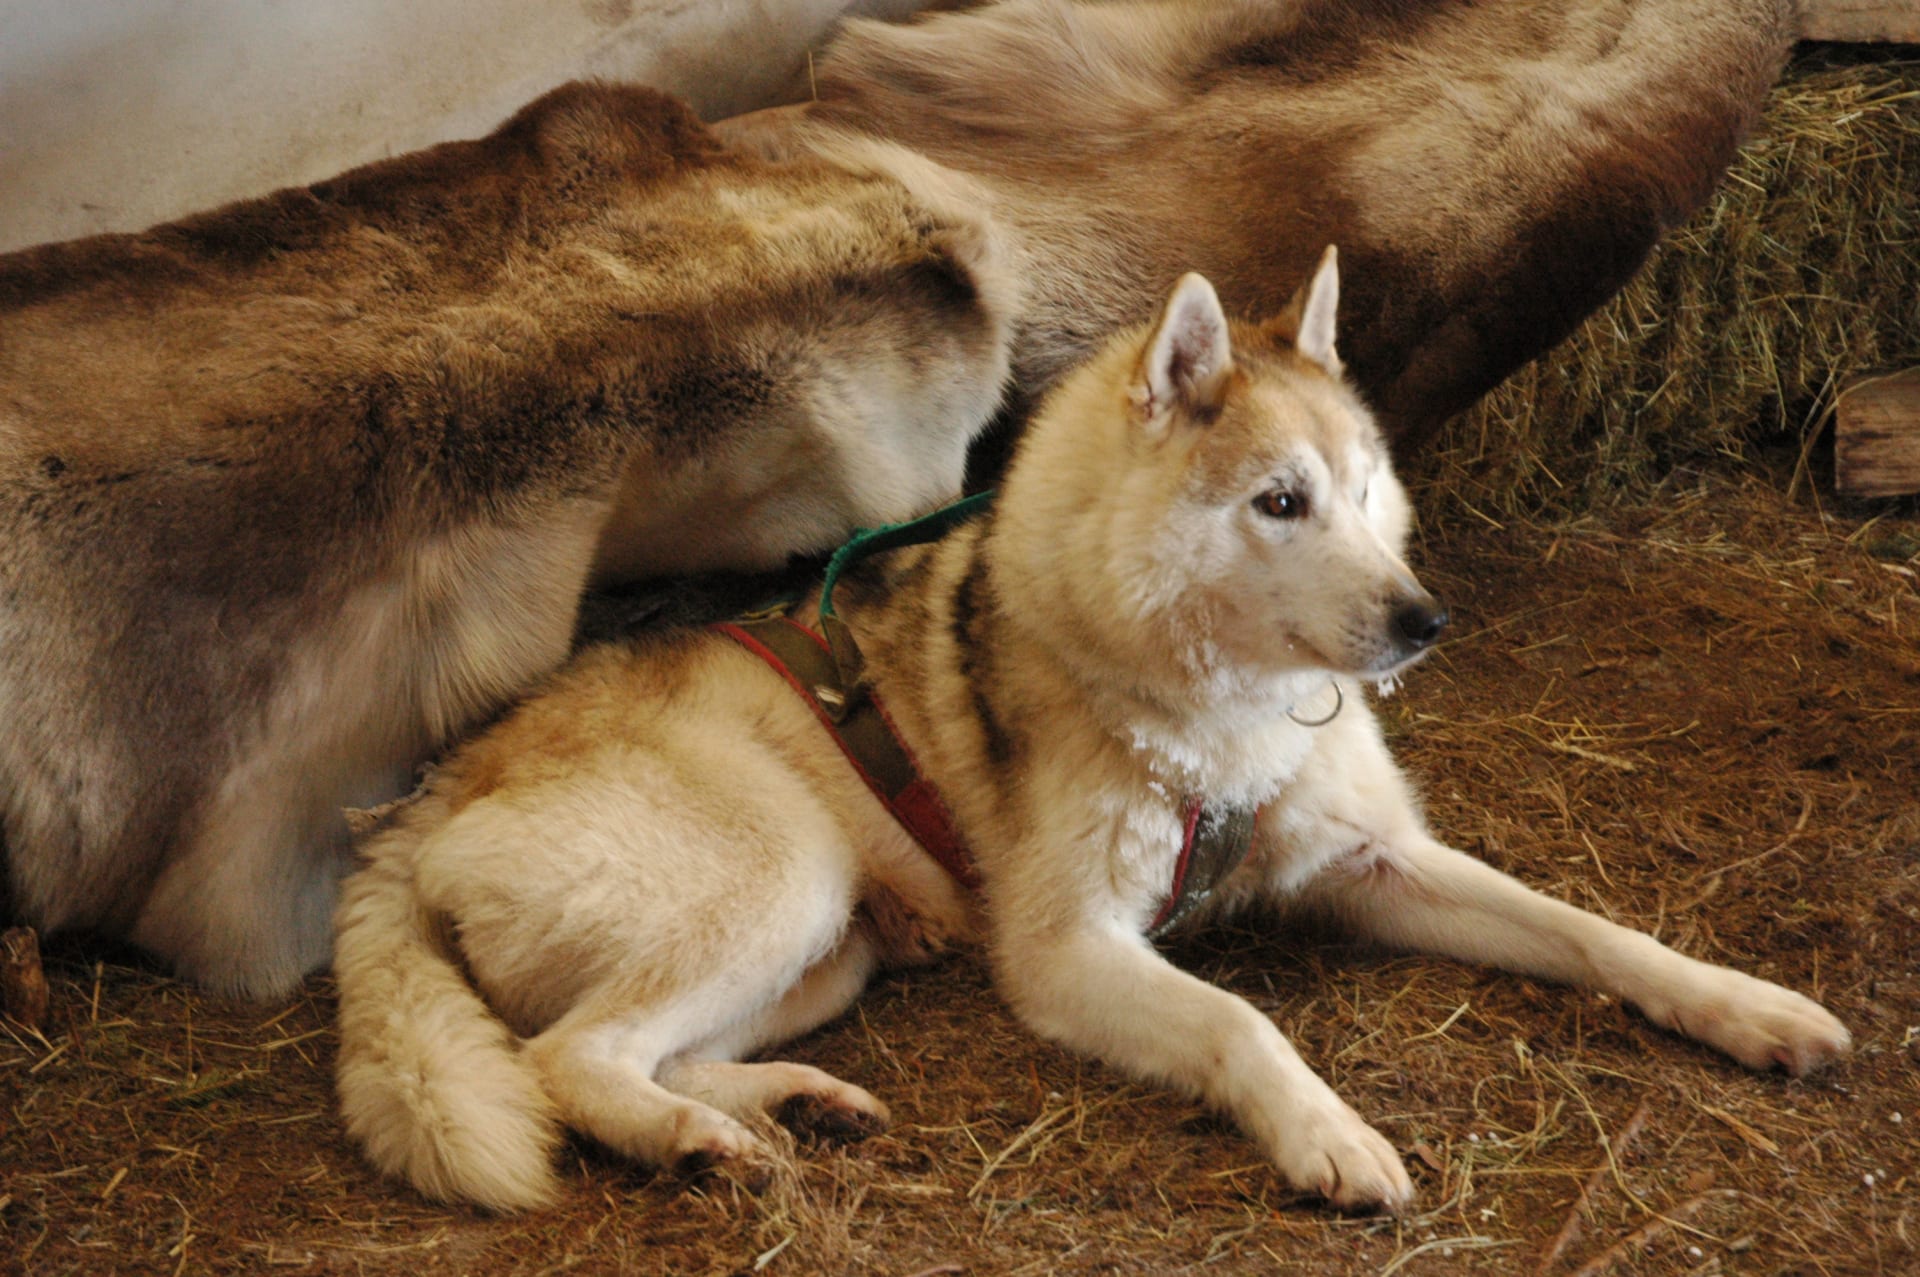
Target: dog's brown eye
{"points": [[1281, 504]]}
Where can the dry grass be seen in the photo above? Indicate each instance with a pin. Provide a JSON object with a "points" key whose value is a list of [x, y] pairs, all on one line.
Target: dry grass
{"points": [[1702, 719], [1693, 705], [1803, 270]]}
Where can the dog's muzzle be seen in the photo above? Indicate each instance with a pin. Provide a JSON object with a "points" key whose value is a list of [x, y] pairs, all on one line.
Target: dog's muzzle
{"points": [[1418, 624]]}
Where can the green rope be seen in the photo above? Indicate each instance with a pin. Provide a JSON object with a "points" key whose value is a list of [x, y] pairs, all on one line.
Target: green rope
{"points": [[891, 536]]}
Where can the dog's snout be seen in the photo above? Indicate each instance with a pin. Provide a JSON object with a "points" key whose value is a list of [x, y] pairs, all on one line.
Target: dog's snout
{"points": [[1418, 622]]}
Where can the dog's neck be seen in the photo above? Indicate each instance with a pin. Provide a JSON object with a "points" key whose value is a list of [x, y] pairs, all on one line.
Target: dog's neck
{"points": [[1163, 693]]}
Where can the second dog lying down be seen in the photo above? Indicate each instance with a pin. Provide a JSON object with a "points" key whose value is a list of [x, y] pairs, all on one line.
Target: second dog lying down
{"points": [[656, 867]]}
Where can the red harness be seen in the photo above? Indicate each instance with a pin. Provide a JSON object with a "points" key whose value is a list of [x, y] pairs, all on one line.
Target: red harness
{"points": [[914, 802], [1212, 845]]}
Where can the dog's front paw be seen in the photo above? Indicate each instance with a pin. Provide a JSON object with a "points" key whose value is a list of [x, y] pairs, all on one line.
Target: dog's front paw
{"points": [[1759, 1024], [1330, 1151]]}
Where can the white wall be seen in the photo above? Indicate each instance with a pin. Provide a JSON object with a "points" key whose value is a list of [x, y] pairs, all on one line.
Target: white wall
{"points": [[115, 114]]}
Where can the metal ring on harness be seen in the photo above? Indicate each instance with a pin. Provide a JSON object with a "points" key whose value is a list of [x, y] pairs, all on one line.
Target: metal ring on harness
{"points": [[1339, 703]]}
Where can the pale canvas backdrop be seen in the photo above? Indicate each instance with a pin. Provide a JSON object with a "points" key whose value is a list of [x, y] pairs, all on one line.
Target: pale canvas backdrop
{"points": [[115, 114]]}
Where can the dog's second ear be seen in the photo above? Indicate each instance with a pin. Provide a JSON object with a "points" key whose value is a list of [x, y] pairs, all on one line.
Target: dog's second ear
{"points": [[1187, 358], [1307, 322]]}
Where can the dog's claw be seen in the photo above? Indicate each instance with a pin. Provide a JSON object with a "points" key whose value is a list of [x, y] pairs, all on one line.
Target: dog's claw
{"points": [[1349, 1163], [819, 1118]]}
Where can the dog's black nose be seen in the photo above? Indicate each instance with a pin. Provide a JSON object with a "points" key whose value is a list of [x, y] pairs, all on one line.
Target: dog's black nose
{"points": [[1420, 621]]}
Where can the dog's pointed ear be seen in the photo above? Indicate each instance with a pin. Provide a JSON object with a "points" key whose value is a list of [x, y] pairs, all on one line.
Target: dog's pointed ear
{"points": [[1187, 358], [1307, 322]]}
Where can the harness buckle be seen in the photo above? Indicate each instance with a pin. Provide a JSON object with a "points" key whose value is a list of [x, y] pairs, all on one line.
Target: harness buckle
{"points": [[833, 701], [846, 652]]}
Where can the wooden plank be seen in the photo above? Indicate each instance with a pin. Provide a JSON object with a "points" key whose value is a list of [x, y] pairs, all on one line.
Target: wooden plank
{"points": [[1861, 20], [1876, 441], [23, 984]]}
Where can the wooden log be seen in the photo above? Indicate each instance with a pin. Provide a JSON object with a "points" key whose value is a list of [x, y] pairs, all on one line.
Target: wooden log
{"points": [[23, 985], [1861, 20], [1876, 442]]}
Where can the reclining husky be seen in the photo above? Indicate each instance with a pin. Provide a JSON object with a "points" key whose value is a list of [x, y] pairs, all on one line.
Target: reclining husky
{"points": [[1132, 694]]}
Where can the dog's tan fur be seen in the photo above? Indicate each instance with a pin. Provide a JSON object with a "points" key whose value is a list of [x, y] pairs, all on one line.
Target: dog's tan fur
{"points": [[292, 493], [653, 868]]}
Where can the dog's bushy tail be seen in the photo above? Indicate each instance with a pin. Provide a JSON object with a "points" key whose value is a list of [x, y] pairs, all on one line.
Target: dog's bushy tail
{"points": [[432, 1084]]}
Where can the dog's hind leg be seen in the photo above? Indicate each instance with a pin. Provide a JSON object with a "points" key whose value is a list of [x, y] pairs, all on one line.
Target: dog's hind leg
{"points": [[660, 1087], [599, 1068], [805, 1099], [643, 1064], [1414, 893]]}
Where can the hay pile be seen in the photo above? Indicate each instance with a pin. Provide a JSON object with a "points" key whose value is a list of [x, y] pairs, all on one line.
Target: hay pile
{"points": [[1803, 270]]}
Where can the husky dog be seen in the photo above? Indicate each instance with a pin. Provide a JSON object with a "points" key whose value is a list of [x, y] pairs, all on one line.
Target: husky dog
{"points": [[294, 492], [663, 863]]}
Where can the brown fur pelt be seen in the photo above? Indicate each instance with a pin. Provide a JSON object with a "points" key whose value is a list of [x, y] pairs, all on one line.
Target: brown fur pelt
{"points": [[1491, 172], [294, 491]]}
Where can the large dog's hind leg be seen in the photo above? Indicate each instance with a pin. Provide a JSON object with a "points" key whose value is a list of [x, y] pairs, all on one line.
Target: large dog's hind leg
{"points": [[642, 1065], [648, 1082], [1415, 893]]}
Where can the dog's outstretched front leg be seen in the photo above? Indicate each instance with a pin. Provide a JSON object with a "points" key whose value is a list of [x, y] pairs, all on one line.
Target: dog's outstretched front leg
{"points": [[1101, 990], [1414, 893]]}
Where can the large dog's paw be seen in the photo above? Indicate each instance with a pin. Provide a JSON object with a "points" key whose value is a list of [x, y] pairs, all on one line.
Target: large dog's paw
{"points": [[1329, 1150], [806, 1100], [1757, 1023]]}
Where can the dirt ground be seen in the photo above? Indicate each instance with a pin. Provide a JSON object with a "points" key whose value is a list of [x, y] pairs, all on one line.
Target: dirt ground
{"points": [[1698, 714]]}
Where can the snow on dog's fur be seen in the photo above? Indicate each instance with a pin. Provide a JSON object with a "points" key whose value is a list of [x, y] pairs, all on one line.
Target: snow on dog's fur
{"points": [[662, 863]]}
